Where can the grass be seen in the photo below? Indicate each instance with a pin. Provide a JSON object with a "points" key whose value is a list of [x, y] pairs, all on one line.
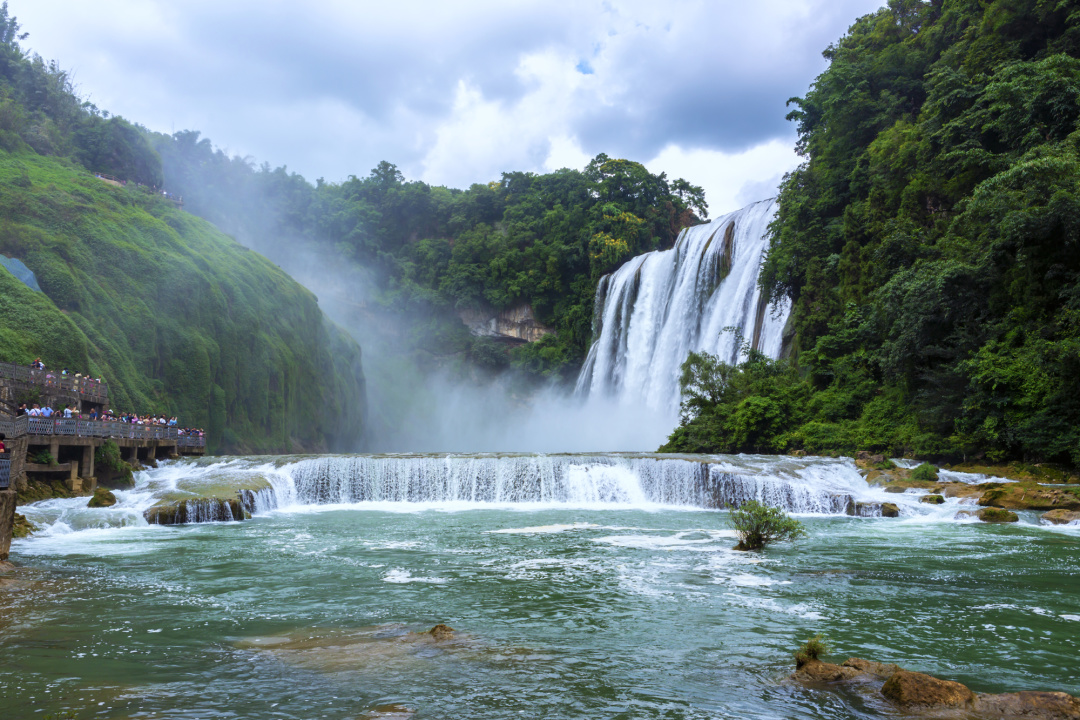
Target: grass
{"points": [[812, 649]]}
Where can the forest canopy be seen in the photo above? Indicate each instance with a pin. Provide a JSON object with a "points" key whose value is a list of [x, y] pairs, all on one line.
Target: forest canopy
{"points": [[930, 242]]}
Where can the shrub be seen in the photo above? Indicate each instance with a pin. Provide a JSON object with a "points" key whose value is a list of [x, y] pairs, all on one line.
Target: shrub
{"points": [[758, 525], [43, 457], [925, 472], [108, 456], [812, 649]]}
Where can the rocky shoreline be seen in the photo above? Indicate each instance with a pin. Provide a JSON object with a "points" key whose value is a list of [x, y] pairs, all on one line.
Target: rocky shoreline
{"points": [[998, 498], [919, 694]]}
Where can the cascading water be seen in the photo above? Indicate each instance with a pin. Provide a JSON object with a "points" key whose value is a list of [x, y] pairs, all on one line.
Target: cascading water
{"points": [[659, 306]]}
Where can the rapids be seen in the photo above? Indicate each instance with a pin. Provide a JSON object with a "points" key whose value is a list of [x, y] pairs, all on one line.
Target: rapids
{"points": [[582, 586]]}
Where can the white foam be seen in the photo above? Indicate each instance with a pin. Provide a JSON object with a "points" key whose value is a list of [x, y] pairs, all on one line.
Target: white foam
{"points": [[401, 577], [544, 529]]}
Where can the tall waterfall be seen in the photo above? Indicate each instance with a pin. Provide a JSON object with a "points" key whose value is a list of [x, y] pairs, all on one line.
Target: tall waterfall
{"points": [[659, 306]]}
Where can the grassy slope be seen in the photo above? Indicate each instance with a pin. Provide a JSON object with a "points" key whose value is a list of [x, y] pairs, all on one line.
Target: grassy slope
{"points": [[176, 316]]}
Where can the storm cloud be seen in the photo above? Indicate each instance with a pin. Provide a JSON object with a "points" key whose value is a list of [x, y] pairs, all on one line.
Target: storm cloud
{"points": [[456, 93]]}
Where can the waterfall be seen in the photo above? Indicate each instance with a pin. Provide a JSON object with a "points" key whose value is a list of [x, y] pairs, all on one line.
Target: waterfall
{"points": [[655, 309], [643, 481]]}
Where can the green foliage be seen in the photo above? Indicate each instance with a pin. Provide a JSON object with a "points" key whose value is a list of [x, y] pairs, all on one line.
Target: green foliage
{"points": [[108, 456], [758, 525], [541, 240], [178, 318], [925, 473], [42, 457], [812, 649], [930, 241]]}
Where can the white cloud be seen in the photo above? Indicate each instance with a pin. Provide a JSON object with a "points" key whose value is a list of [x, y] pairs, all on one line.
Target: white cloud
{"points": [[457, 93]]}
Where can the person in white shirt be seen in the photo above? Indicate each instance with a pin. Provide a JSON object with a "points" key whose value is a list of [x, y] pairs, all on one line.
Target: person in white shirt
{"points": [[67, 412]]}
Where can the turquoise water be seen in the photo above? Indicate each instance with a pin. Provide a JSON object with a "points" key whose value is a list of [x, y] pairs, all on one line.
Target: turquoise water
{"points": [[561, 612]]}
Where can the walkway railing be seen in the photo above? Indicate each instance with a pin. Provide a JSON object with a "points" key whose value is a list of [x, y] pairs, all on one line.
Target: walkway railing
{"points": [[87, 387], [26, 425], [5, 470]]}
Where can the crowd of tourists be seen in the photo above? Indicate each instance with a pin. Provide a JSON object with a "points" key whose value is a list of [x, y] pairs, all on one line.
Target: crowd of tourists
{"points": [[81, 382], [68, 413]]}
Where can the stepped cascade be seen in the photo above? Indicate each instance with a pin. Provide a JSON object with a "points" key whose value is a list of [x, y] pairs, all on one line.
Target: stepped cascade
{"points": [[655, 309], [607, 479]]}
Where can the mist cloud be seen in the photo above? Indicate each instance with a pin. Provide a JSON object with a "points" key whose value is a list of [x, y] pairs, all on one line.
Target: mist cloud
{"points": [[454, 93]]}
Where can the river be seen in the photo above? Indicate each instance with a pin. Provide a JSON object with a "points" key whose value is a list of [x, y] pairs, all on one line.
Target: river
{"points": [[579, 587]]}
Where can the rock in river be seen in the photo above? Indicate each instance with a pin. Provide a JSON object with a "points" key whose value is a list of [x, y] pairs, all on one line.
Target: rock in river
{"points": [[1061, 517], [997, 515]]}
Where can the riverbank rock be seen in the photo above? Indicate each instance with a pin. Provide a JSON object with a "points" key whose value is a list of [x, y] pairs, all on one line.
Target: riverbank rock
{"points": [[865, 460], [103, 497], [932, 499], [915, 689], [889, 510], [1029, 496], [1061, 517], [997, 515], [920, 694], [22, 527]]}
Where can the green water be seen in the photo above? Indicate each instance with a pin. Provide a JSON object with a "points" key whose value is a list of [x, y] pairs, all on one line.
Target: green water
{"points": [[638, 615]]}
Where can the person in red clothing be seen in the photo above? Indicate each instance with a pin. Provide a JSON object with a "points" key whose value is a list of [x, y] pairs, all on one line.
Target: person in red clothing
{"points": [[3, 448]]}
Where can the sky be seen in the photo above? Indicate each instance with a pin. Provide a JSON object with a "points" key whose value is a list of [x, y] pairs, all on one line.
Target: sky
{"points": [[456, 93]]}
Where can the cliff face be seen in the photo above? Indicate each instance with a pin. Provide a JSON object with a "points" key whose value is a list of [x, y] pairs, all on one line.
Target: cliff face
{"points": [[177, 317], [513, 324]]}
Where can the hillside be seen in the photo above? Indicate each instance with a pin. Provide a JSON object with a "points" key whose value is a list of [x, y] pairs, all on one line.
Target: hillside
{"points": [[177, 317], [930, 245], [174, 315]]}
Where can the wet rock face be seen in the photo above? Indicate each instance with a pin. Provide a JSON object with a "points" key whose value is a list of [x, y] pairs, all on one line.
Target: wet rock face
{"points": [[889, 510], [924, 695], [997, 515], [1039, 705], [932, 499], [441, 632], [1061, 517], [913, 689], [103, 497], [194, 511]]}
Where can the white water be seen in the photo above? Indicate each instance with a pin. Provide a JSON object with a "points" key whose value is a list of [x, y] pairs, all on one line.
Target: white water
{"points": [[658, 307], [412, 483]]}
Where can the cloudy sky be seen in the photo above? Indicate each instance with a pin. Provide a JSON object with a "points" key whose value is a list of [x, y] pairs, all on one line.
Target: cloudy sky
{"points": [[457, 92]]}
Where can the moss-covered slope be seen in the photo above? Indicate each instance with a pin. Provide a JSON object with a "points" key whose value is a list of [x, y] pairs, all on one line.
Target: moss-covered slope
{"points": [[177, 317]]}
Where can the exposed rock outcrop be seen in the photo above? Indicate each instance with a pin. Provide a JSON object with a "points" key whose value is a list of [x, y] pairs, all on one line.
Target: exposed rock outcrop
{"points": [[932, 499], [516, 324], [195, 511], [103, 497], [921, 694], [1061, 517], [914, 689], [890, 510], [997, 515]]}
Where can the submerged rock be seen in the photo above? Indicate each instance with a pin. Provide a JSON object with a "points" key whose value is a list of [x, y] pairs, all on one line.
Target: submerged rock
{"points": [[441, 632], [1061, 517], [389, 712], [103, 497], [997, 515]]}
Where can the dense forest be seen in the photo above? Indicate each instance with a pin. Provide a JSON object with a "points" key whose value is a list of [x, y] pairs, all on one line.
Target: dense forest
{"points": [[930, 242], [430, 252], [176, 317]]}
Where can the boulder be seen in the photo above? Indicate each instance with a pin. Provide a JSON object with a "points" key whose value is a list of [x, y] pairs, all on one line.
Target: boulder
{"points": [[889, 510], [1040, 705], [932, 499], [895, 489], [1061, 517], [864, 459], [864, 509], [199, 510], [22, 527], [997, 515], [882, 671], [816, 671], [914, 689], [103, 497]]}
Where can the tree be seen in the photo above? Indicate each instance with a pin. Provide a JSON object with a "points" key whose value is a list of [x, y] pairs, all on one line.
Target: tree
{"points": [[758, 525]]}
